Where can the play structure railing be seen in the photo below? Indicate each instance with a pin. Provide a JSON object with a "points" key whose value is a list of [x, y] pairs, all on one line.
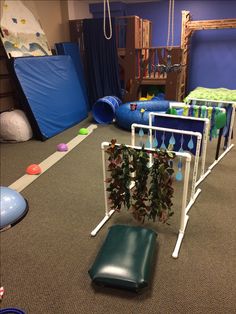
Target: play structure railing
{"points": [[146, 59], [184, 205]]}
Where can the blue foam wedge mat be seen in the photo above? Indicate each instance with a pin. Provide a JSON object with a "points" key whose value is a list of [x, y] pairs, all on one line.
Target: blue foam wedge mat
{"points": [[72, 49], [52, 93]]}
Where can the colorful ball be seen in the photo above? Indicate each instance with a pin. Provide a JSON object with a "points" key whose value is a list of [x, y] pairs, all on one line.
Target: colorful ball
{"points": [[13, 206], [62, 147], [83, 131], [33, 169]]}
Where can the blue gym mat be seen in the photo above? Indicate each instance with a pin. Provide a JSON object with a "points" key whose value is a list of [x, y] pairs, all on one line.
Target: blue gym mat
{"points": [[52, 94], [72, 49]]}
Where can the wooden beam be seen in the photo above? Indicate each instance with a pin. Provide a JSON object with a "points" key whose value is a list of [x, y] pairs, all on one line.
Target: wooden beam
{"points": [[211, 24], [188, 28]]}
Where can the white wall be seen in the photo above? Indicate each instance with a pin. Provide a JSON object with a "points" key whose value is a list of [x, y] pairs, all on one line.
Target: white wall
{"points": [[53, 17], [78, 10]]}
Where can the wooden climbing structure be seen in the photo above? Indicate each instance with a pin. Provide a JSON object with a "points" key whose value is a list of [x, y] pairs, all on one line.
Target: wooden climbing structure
{"points": [[188, 28], [137, 59]]}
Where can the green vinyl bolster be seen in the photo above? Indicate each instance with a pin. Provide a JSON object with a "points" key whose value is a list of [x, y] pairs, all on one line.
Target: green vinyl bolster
{"points": [[126, 258]]}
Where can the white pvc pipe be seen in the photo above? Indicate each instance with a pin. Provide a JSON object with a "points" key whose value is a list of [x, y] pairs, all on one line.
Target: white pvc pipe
{"points": [[205, 132], [185, 193], [102, 223], [221, 102], [231, 125], [184, 217], [109, 213], [182, 105], [195, 167], [211, 100], [144, 126], [203, 177], [221, 156], [104, 180], [191, 133], [204, 145]]}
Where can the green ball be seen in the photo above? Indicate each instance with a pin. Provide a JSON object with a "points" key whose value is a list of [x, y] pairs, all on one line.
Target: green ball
{"points": [[83, 131]]}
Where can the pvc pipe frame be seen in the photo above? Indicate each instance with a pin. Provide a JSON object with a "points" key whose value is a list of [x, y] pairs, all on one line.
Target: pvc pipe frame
{"points": [[154, 128], [229, 145], [184, 207], [182, 105], [206, 121]]}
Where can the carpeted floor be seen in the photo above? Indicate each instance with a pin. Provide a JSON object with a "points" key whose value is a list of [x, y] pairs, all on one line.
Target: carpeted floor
{"points": [[45, 258]]}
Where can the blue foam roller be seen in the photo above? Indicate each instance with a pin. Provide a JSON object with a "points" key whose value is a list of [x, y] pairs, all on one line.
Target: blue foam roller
{"points": [[125, 117]]}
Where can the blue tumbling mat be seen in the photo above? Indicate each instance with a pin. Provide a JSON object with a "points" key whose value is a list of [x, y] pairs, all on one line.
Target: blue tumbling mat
{"points": [[72, 49], [178, 124], [52, 94]]}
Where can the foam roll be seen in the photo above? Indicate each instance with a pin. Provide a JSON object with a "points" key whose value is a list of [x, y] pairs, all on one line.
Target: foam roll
{"points": [[125, 116]]}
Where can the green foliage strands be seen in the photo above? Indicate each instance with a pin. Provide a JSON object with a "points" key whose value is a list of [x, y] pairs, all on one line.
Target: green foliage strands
{"points": [[120, 178], [152, 194]]}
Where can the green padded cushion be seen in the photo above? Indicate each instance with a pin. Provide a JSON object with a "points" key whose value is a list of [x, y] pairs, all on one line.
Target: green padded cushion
{"points": [[126, 258]]}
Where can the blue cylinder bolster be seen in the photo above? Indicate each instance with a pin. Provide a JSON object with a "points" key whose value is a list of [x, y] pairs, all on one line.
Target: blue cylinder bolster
{"points": [[125, 116]]}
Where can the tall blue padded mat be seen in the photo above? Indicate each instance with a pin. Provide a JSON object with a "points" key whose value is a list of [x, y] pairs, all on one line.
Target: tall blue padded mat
{"points": [[52, 93], [72, 49]]}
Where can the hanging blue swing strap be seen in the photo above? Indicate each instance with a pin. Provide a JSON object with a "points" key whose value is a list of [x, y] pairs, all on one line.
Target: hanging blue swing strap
{"points": [[218, 144], [190, 111], [212, 122]]}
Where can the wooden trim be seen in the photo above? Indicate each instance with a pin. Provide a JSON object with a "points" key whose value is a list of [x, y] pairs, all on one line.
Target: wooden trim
{"points": [[151, 81]]}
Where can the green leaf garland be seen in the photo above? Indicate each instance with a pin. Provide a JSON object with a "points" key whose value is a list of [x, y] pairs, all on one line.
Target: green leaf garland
{"points": [[152, 194]]}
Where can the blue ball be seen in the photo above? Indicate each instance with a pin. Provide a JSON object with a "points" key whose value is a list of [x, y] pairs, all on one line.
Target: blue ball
{"points": [[13, 206]]}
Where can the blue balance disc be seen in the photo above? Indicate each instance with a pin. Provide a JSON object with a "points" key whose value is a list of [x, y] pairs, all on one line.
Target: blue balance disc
{"points": [[13, 207]]}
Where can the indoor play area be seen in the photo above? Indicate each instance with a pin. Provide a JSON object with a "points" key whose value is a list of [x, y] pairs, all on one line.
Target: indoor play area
{"points": [[117, 150]]}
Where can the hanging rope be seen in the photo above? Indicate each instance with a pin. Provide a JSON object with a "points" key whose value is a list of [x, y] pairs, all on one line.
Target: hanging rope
{"points": [[168, 66], [172, 21], [170, 24], [106, 3], [168, 31]]}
